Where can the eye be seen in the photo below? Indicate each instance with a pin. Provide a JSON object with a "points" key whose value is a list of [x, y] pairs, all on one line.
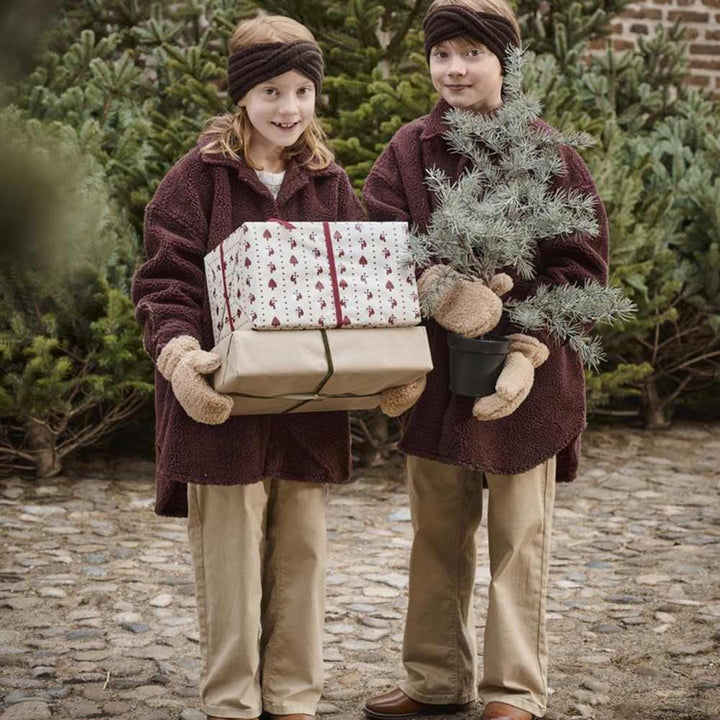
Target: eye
{"points": [[475, 52], [305, 90], [269, 91], [440, 54]]}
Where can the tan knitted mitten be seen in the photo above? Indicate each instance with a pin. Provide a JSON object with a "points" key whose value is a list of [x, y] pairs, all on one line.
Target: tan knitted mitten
{"points": [[516, 379], [534, 350], [183, 364], [466, 307], [395, 401]]}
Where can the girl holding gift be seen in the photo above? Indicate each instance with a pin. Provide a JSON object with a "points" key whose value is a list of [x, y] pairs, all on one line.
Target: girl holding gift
{"points": [[252, 486], [520, 440]]}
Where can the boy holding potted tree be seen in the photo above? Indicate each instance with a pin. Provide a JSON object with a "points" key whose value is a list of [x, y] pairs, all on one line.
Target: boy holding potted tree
{"points": [[525, 435]]}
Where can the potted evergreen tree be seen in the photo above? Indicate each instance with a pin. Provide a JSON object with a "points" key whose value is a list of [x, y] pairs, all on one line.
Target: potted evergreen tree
{"points": [[494, 216]]}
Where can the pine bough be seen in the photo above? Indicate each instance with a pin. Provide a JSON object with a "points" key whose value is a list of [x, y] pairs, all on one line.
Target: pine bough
{"points": [[495, 215]]}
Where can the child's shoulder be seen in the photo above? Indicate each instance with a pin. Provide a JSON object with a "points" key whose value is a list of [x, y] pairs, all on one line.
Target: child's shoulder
{"points": [[576, 175], [188, 181], [411, 131], [190, 168], [404, 143], [566, 151], [332, 169]]}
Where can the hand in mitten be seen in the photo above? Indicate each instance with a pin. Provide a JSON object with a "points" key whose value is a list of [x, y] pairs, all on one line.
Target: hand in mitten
{"points": [[466, 307], [395, 401], [516, 379], [183, 364]]}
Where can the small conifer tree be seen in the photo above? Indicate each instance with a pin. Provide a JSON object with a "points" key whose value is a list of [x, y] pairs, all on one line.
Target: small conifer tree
{"points": [[495, 215]]}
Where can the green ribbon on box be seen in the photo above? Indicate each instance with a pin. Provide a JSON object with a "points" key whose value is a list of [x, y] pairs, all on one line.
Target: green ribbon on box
{"points": [[303, 398]]}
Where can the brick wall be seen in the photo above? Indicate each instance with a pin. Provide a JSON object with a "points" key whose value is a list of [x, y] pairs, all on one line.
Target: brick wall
{"points": [[701, 19]]}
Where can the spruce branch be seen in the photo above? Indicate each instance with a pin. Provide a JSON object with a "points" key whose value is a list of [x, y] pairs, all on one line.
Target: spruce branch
{"points": [[498, 212], [566, 311]]}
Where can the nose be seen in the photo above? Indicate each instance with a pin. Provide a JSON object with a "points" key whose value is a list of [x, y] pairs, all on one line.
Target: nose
{"points": [[457, 66], [289, 106]]}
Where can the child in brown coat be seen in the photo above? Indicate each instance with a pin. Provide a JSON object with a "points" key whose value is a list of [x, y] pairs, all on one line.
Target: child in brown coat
{"points": [[251, 485], [520, 440]]}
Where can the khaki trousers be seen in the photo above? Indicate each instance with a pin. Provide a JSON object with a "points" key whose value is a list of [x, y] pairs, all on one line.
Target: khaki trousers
{"points": [[259, 557], [439, 649]]}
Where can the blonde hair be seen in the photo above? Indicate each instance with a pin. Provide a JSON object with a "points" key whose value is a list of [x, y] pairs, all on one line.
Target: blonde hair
{"points": [[230, 134], [498, 7]]}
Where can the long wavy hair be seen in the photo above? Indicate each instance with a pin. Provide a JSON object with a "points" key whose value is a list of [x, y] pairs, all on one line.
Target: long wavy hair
{"points": [[230, 134]]}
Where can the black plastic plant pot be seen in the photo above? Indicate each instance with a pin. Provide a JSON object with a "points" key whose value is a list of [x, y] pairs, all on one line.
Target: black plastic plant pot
{"points": [[475, 364]]}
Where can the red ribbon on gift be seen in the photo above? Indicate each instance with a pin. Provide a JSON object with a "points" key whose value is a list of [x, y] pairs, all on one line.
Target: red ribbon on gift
{"points": [[331, 264], [225, 289], [331, 261], [333, 274], [287, 225]]}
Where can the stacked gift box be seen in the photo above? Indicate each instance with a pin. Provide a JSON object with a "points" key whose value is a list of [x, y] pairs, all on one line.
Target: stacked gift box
{"points": [[314, 316]]}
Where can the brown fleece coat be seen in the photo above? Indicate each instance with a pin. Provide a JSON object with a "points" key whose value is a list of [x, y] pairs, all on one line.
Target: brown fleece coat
{"points": [[550, 421], [201, 200]]}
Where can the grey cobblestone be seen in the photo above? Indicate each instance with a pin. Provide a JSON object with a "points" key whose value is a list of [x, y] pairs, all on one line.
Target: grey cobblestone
{"points": [[99, 613]]}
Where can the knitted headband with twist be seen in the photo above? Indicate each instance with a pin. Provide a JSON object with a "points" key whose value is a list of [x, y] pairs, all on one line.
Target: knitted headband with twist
{"points": [[494, 31], [255, 64]]}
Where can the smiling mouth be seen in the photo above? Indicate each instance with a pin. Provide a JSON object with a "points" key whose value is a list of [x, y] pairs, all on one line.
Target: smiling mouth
{"points": [[457, 87], [285, 126]]}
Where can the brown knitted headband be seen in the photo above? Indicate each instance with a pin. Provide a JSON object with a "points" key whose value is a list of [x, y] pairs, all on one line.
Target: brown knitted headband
{"points": [[255, 64], [494, 31]]}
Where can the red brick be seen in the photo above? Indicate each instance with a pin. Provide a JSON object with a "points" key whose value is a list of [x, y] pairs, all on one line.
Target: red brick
{"points": [[711, 3], [691, 33], [688, 16], [623, 44], [639, 29], [598, 44], [696, 64], [643, 13], [662, 2], [712, 34], [685, 3], [616, 28], [698, 80], [699, 49]]}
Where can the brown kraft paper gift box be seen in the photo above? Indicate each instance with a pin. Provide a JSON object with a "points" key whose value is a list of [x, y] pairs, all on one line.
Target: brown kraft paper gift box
{"points": [[318, 370]]}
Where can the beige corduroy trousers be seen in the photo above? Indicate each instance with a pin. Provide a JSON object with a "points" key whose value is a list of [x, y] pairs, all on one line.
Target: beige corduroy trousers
{"points": [[259, 556], [439, 648]]}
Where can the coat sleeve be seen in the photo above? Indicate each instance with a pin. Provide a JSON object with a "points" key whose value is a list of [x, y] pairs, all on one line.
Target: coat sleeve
{"points": [[383, 191], [572, 258], [168, 288]]}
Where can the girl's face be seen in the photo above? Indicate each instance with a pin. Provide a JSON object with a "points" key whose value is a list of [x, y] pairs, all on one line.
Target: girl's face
{"points": [[467, 75], [280, 109]]}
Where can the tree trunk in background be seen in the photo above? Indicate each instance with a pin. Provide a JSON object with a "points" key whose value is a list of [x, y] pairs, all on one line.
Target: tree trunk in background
{"points": [[41, 442], [372, 449], [653, 407]]}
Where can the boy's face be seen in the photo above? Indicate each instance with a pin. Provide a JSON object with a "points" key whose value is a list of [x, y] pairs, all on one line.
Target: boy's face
{"points": [[280, 109], [466, 74]]}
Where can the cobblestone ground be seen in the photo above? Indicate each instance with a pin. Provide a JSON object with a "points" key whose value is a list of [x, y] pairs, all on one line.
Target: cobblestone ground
{"points": [[98, 611]]}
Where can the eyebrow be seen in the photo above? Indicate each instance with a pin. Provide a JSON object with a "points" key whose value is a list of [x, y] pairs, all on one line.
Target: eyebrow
{"points": [[270, 84], [460, 45]]}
